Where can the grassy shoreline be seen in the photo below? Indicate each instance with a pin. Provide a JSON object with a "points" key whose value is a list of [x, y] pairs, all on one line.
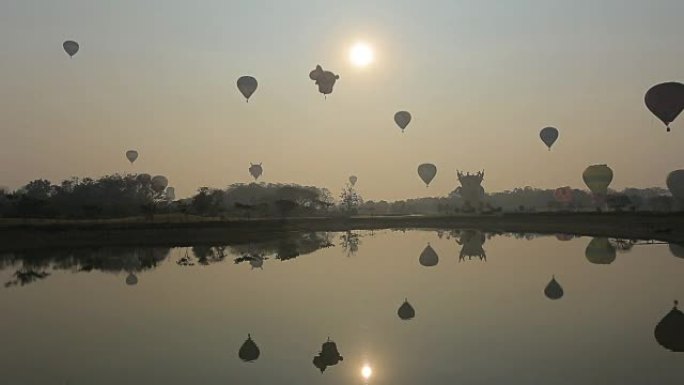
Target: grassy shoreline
{"points": [[182, 231]]}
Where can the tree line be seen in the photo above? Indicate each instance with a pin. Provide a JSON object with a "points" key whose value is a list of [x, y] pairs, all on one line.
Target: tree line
{"points": [[119, 196]]}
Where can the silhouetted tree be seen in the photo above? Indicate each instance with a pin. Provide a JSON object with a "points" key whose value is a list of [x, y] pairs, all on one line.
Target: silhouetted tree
{"points": [[350, 199], [285, 207]]}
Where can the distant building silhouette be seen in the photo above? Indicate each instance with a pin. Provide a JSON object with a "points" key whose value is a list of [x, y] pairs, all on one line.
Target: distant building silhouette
{"points": [[471, 190]]}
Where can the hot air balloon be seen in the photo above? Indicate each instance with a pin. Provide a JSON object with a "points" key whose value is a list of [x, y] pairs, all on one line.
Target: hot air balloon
{"points": [[131, 155], [144, 178], [170, 193], [255, 170], [563, 195], [402, 118], [548, 135], [675, 183], [159, 184], [553, 289], [247, 85], [600, 251], [249, 351], [564, 237], [677, 250], [71, 47], [131, 279], [670, 330], [598, 178], [328, 356], [325, 80], [353, 179], [428, 257], [256, 262], [406, 311], [666, 101], [427, 172]]}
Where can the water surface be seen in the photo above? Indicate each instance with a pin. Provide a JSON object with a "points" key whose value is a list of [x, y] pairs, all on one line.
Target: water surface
{"points": [[180, 315]]}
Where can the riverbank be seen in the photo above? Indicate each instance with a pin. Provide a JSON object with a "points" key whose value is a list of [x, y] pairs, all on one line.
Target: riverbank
{"points": [[180, 231]]}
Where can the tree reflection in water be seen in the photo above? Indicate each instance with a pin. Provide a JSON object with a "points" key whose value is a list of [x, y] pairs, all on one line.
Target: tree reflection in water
{"points": [[33, 265], [350, 242]]}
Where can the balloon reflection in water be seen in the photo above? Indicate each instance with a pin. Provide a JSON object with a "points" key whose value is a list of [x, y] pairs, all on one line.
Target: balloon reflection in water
{"points": [[670, 330], [249, 351]]}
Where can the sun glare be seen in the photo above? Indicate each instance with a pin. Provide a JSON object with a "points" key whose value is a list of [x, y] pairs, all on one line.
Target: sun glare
{"points": [[366, 372], [361, 55]]}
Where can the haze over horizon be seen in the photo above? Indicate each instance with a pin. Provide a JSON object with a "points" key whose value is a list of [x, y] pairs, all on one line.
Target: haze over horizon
{"points": [[480, 80]]}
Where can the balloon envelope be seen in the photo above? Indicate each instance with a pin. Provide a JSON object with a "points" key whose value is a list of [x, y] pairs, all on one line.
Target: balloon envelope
{"points": [[553, 289], [548, 135], [131, 155], [670, 330], [406, 311], [428, 257], [144, 178], [600, 251], [255, 170], [159, 183], [325, 80], [352, 180], [249, 351], [402, 119], [247, 85], [71, 47], [666, 101], [598, 178], [675, 183], [677, 250], [131, 279], [427, 172]]}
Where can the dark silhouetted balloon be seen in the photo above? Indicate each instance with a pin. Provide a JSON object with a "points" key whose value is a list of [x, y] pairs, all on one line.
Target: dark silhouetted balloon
{"points": [[249, 351], [256, 262], [353, 179], [670, 330], [325, 80], [159, 184], [427, 172], [406, 311], [428, 257], [70, 47], [666, 101], [144, 178], [131, 155], [553, 289], [402, 119], [131, 279], [328, 356], [677, 250], [247, 85], [255, 170], [548, 135], [600, 251], [675, 183], [598, 178]]}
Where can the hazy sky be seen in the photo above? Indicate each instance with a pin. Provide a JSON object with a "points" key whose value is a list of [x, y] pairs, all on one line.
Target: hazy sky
{"points": [[481, 78]]}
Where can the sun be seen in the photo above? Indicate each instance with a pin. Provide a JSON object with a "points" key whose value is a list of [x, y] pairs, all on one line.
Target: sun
{"points": [[366, 372], [361, 54]]}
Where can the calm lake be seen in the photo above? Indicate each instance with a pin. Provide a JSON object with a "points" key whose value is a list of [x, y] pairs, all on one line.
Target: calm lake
{"points": [[481, 311]]}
